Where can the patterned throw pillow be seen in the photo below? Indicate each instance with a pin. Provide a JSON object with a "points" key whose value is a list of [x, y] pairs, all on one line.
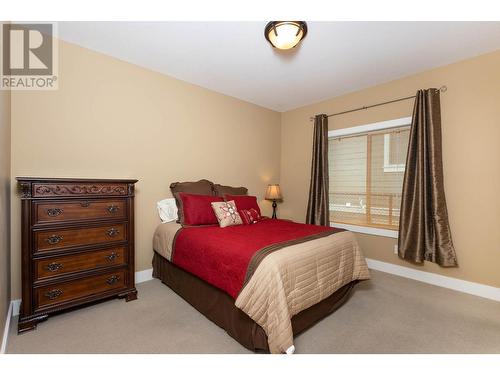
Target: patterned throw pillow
{"points": [[250, 216], [226, 213]]}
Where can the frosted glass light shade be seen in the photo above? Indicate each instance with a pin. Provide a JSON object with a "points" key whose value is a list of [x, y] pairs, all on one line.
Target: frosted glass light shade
{"points": [[285, 34]]}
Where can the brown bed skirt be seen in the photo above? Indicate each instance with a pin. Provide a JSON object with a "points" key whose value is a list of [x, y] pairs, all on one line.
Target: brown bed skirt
{"points": [[219, 307]]}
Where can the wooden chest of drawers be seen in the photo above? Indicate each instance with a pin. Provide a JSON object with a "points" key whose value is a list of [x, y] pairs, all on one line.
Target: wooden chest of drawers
{"points": [[77, 244]]}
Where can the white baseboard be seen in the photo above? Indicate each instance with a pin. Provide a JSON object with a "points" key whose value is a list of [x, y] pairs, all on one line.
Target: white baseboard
{"points": [[143, 276], [140, 277], [6, 328], [16, 305], [463, 286]]}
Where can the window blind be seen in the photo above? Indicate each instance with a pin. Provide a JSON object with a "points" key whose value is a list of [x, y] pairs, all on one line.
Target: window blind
{"points": [[366, 177]]}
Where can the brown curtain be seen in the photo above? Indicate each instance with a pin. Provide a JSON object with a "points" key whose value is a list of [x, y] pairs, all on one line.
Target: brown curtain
{"points": [[317, 207], [424, 232]]}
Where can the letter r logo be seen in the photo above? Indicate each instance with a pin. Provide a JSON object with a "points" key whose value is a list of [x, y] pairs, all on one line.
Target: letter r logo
{"points": [[27, 49]]}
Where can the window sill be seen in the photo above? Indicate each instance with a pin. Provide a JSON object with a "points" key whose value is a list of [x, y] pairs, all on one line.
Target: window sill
{"points": [[367, 230]]}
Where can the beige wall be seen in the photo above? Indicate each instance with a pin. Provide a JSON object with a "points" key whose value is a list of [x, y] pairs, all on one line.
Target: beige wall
{"points": [[4, 205], [471, 157], [112, 119]]}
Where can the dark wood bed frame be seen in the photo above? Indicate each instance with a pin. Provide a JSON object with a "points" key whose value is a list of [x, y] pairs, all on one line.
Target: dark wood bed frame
{"points": [[219, 307]]}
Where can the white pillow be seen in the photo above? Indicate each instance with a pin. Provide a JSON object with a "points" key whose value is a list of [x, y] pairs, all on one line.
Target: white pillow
{"points": [[167, 209]]}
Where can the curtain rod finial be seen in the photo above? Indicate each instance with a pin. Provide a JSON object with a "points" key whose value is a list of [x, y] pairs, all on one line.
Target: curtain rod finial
{"points": [[443, 88]]}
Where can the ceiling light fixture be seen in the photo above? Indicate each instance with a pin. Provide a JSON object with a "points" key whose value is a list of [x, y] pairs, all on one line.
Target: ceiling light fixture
{"points": [[285, 34]]}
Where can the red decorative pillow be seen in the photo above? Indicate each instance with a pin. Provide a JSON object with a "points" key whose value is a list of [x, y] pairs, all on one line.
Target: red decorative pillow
{"points": [[244, 202], [197, 209], [250, 216]]}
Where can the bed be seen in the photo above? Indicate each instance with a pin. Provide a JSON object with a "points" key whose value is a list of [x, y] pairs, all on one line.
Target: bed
{"points": [[263, 283]]}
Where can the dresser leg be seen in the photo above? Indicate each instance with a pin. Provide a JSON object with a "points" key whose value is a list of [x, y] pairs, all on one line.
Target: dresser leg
{"points": [[129, 296], [29, 324]]}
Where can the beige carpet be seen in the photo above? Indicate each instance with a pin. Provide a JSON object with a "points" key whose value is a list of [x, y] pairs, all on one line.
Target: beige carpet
{"points": [[388, 314]]}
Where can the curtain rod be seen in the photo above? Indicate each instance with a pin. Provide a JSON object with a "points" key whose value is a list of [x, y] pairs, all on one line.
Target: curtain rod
{"points": [[442, 89]]}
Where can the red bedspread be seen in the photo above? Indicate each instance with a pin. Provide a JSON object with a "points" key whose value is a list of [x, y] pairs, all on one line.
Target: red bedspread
{"points": [[220, 256]]}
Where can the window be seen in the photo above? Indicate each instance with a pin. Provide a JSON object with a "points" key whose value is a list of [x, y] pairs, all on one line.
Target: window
{"points": [[367, 165], [394, 156]]}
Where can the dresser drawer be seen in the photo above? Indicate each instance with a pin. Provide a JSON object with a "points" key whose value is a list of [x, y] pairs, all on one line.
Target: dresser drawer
{"points": [[54, 239], [88, 286], [58, 211], [61, 265]]}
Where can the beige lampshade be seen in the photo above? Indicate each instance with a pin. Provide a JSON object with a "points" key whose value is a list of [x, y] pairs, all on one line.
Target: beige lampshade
{"points": [[273, 192]]}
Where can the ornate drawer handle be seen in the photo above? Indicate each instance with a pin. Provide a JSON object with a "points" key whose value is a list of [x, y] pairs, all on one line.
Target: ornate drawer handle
{"points": [[53, 294], [112, 209], [54, 211], [54, 239], [112, 256], [112, 232], [85, 204], [53, 267], [112, 280]]}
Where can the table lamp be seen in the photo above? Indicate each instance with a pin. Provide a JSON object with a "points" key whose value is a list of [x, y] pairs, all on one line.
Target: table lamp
{"points": [[273, 193]]}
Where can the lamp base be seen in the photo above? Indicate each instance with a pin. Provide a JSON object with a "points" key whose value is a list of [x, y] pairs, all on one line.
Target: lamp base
{"points": [[274, 209]]}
